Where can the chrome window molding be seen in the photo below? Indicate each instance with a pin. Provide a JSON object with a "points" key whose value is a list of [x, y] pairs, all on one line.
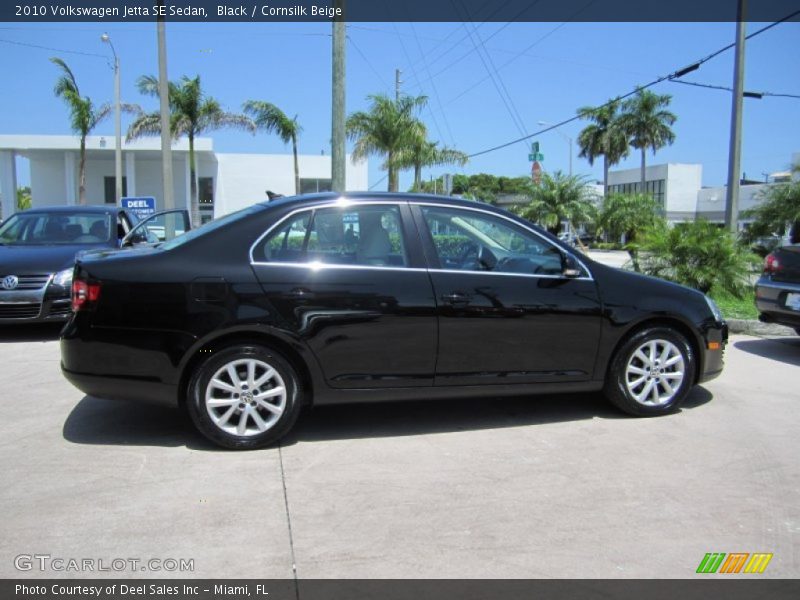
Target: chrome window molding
{"points": [[338, 203]]}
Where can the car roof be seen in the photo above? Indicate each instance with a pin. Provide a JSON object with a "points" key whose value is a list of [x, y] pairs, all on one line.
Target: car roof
{"points": [[365, 197], [91, 209]]}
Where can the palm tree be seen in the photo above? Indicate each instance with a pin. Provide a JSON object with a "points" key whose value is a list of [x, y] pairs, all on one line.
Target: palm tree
{"points": [[272, 119], [604, 137], [558, 198], [192, 113], [387, 128], [778, 207], [84, 115], [629, 215], [647, 122], [423, 153]]}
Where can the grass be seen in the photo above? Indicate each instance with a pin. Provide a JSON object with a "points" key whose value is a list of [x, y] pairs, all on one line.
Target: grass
{"points": [[736, 308]]}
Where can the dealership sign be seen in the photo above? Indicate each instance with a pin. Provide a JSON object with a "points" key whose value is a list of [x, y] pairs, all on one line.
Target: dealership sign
{"points": [[142, 206]]}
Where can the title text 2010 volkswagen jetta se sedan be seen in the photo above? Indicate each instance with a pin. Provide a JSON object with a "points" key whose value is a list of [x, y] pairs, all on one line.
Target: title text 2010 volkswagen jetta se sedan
{"points": [[323, 299]]}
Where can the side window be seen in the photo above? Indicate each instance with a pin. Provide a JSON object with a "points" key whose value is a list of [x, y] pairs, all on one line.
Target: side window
{"points": [[358, 235], [476, 241]]}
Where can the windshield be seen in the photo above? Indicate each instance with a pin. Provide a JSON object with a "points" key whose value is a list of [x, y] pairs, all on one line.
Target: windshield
{"points": [[208, 227], [41, 227]]}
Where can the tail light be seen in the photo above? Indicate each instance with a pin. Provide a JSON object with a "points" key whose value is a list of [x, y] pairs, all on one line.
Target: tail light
{"points": [[84, 294], [772, 264]]}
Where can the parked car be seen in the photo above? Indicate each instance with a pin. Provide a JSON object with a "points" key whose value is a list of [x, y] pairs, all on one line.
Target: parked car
{"points": [[38, 249], [778, 288], [322, 299], [572, 239]]}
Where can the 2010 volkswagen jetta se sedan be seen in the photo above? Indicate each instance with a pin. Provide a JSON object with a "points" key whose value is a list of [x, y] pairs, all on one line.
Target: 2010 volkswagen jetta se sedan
{"points": [[324, 299]]}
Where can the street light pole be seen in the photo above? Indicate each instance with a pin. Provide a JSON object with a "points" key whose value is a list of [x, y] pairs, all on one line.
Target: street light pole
{"points": [[117, 124], [569, 142]]}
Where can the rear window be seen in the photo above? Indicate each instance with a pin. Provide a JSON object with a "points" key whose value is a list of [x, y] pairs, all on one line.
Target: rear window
{"points": [[209, 227]]}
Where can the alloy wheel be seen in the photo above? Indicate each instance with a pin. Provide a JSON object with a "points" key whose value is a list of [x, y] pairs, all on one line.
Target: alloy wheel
{"points": [[655, 372], [245, 397]]}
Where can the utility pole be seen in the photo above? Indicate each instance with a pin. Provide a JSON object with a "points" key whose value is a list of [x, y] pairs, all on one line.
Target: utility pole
{"points": [[397, 83], [163, 97], [735, 151], [338, 180], [117, 123]]}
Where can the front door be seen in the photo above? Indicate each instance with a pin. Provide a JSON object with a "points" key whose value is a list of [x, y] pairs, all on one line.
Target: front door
{"points": [[507, 313]]}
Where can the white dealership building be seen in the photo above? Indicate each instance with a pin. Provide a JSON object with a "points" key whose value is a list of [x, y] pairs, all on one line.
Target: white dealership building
{"points": [[226, 181]]}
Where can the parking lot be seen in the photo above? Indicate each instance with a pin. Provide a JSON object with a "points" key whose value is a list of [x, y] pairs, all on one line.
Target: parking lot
{"points": [[553, 486]]}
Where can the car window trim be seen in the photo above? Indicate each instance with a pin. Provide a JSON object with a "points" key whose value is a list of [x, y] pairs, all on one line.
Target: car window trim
{"points": [[548, 242], [335, 204], [411, 203]]}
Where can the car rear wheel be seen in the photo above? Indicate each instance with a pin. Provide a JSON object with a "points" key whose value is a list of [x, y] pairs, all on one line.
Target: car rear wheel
{"points": [[652, 372], [244, 396]]}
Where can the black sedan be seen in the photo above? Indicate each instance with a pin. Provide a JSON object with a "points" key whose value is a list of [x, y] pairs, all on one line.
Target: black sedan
{"points": [[324, 299], [778, 288], [38, 249]]}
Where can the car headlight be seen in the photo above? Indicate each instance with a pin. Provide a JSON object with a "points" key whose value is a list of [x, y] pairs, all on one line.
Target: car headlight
{"points": [[714, 309], [63, 278]]}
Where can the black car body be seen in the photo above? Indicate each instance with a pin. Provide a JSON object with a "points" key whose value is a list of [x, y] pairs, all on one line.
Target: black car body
{"points": [[37, 254], [778, 288], [330, 299]]}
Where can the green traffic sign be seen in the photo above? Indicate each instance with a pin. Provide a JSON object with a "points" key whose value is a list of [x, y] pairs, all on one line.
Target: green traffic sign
{"points": [[535, 147], [535, 156]]}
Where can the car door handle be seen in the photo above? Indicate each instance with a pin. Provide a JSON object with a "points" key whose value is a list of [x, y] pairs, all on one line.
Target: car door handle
{"points": [[455, 298]]}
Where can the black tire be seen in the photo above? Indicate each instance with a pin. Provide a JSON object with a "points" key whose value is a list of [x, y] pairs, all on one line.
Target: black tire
{"points": [[618, 387], [240, 356]]}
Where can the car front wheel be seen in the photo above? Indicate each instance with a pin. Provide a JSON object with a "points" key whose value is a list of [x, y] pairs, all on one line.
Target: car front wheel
{"points": [[244, 397], [652, 373]]}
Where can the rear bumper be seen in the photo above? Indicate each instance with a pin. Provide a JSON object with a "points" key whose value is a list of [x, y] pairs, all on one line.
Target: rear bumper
{"points": [[115, 388], [714, 356], [771, 302]]}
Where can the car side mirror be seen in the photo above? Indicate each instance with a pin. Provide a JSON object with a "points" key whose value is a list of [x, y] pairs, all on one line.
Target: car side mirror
{"points": [[570, 267]]}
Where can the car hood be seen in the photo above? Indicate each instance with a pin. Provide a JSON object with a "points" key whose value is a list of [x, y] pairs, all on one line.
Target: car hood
{"points": [[25, 260]]}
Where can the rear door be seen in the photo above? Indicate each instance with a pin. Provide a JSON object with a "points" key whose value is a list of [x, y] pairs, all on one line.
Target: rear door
{"points": [[350, 280], [508, 313]]}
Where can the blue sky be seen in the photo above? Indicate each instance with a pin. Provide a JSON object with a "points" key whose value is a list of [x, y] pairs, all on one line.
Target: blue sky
{"points": [[546, 71]]}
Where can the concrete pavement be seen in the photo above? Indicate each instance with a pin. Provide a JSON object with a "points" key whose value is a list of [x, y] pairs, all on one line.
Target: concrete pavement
{"points": [[552, 486]]}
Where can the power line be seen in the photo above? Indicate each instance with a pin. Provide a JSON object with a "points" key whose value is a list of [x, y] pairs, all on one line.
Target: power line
{"points": [[59, 50], [672, 76], [408, 58], [435, 88], [466, 54], [727, 89], [377, 183], [522, 53], [498, 83], [366, 60], [461, 40]]}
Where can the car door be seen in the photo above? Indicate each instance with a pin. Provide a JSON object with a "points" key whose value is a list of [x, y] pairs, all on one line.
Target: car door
{"points": [[508, 313], [159, 227], [350, 281]]}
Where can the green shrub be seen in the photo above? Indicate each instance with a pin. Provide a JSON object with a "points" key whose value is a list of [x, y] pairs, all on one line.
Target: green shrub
{"points": [[698, 254]]}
